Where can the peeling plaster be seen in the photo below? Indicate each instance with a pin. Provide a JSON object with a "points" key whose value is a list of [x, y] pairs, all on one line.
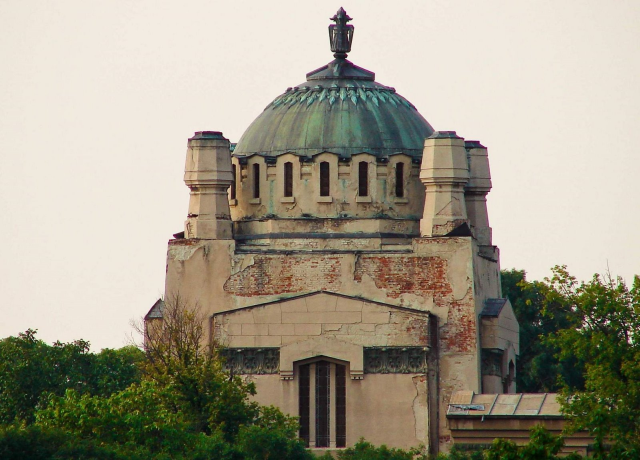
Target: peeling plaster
{"points": [[460, 267], [420, 407], [241, 265], [182, 253]]}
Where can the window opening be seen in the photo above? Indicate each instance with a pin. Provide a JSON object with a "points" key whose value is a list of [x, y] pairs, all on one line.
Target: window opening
{"points": [[324, 179], [341, 406], [304, 403], [400, 180], [288, 179], [233, 183], [363, 178], [256, 180], [323, 403], [315, 381], [506, 383]]}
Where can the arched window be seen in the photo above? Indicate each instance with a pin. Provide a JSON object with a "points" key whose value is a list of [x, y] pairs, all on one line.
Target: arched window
{"points": [[288, 179], [256, 180], [325, 180], [233, 184], [400, 180], [318, 432], [363, 178], [510, 377]]}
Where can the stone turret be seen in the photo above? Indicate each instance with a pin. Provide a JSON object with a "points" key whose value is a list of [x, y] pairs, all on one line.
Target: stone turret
{"points": [[476, 192], [208, 174], [444, 173]]}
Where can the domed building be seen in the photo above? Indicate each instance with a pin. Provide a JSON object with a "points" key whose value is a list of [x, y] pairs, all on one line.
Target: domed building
{"points": [[342, 254]]}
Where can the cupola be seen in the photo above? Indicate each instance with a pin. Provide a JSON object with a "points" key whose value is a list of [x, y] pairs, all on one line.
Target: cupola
{"points": [[337, 146]]}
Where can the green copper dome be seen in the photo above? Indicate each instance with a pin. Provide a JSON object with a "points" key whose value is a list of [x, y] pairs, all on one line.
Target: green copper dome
{"points": [[339, 109]]}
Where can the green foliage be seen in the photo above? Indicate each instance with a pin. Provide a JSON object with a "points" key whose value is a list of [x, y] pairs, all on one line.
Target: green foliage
{"points": [[141, 416], [364, 450], [35, 443], [542, 445], [174, 401], [31, 369], [604, 333], [539, 368]]}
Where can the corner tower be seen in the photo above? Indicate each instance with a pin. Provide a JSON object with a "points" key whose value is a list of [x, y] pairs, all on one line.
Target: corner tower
{"points": [[349, 272]]}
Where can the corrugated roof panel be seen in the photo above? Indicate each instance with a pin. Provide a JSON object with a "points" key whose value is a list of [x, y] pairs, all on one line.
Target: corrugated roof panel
{"points": [[506, 404], [551, 406], [466, 403]]}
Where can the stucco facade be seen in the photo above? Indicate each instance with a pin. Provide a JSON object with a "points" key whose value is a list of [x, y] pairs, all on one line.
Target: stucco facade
{"points": [[356, 285]]}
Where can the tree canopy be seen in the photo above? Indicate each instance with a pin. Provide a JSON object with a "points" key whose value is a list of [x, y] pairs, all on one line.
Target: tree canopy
{"points": [[30, 368], [539, 368], [603, 333], [174, 401]]}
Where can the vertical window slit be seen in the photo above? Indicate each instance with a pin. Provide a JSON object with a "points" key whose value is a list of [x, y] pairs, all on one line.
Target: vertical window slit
{"points": [[256, 180], [324, 179], [233, 183], [323, 403], [304, 402], [400, 180], [363, 178], [288, 179], [341, 406]]}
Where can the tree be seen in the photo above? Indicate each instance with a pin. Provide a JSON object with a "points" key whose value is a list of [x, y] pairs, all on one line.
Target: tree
{"points": [[604, 334], [141, 421], [214, 404], [31, 369], [539, 368], [542, 445], [179, 355], [177, 403], [364, 450]]}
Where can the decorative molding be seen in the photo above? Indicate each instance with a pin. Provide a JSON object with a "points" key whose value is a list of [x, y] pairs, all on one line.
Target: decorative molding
{"points": [[251, 360], [354, 94], [395, 360]]}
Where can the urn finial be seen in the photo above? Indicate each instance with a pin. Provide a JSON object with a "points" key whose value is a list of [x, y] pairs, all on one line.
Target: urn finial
{"points": [[340, 34]]}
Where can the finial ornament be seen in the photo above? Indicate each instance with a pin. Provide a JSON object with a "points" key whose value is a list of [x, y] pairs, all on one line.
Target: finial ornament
{"points": [[340, 34]]}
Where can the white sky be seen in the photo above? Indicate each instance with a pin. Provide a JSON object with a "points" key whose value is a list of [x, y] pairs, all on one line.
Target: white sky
{"points": [[98, 98]]}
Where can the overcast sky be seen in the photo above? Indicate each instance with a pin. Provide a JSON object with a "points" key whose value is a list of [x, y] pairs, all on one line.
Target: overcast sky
{"points": [[98, 99]]}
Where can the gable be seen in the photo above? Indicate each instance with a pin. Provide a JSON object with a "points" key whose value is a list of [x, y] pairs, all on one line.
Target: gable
{"points": [[348, 319], [500, 328]]}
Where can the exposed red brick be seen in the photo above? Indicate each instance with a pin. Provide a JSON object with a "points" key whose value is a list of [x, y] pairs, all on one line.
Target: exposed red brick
{"points": [[393, 274]]}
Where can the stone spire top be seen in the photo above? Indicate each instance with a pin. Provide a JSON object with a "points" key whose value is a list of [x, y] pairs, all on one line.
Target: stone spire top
{"points": [[340, 34]]}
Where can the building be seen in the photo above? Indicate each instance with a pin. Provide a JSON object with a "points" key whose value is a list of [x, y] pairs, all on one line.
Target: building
{"points": [[342, 253]]}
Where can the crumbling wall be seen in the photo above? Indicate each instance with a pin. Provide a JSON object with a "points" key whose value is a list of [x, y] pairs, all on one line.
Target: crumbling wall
{"points": [[430, 274]]}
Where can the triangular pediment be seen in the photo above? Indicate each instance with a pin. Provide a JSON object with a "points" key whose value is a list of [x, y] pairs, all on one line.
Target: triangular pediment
{"points": [[333, 316], [329, 298]]}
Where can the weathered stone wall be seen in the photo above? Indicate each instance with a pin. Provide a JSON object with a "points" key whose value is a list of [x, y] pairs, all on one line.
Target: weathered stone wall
{"points": [[401, 398], [429, 274], [343, 199]]}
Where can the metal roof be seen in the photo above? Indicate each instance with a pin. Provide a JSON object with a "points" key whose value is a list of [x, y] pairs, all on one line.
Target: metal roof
{"points": [[156, 310], [493, 307], [469, 404]]}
